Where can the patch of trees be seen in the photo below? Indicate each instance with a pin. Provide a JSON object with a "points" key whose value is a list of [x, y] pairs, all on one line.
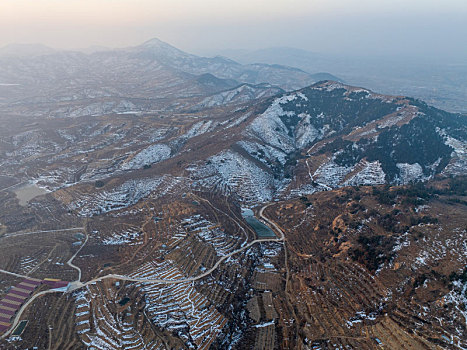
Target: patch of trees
{"points": [[355, 208], [457, 201], [456, 186], [336, 145], [390, 223], [305, 201], [454, 124], [373, 251], [418, 193], [433, 275], [415, 142], [290, 163], [426, 219], [340, 112], [414, 194], [290, 122]]}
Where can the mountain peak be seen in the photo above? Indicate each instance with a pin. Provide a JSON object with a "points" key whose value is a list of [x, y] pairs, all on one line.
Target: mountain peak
{"points": [[154, 42], [157, 44], [160, 49]]}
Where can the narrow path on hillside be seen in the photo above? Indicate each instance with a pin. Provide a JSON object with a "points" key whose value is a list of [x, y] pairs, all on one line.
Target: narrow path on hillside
{"points": [[326, 187], [7, 188], [20, 233], [50, 337], [70, 262], [286, 262], [13, 274]]}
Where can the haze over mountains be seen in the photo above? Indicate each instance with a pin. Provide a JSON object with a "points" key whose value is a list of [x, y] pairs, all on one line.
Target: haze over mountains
{"points": [[440, 83], [188, 202], [152, 70]]}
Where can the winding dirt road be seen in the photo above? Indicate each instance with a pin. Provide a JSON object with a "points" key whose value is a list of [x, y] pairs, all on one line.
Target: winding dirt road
{"points": [[182, 280], [70, 262], [282, 238]]}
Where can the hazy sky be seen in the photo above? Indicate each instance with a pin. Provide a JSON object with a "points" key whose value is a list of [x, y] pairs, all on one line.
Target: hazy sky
{"points": [[399, 27]]}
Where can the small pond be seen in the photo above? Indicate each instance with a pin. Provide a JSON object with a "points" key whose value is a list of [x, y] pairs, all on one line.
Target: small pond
{"points": [[262, 231]]}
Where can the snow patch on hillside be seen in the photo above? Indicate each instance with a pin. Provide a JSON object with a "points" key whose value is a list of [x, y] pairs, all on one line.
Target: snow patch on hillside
{"points": [[303, 190], [264, 153], [331, 174], [269, 128], [306, 133], [179, 307], [409, 172], [371, 174], [458, 297], [123, 196], [241, 94], [330, 86], [239, 120], [273, 127], [229, 172], [98, 327], [98, 108], [211, 233], [126, 237], [458, 164], [248, 180], [198, 129], [150, 155], [406, 115]]}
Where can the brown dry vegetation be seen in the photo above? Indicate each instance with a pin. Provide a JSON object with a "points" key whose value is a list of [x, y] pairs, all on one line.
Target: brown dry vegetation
{"points": [[358, 272]]}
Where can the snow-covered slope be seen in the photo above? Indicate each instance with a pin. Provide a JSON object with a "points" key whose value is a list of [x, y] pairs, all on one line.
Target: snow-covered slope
{"points": [[241, 94], [148, 156], [123, 196]]}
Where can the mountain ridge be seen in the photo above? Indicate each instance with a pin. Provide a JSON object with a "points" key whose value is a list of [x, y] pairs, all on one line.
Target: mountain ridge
{"points": [[309, 140], [151, 69]]}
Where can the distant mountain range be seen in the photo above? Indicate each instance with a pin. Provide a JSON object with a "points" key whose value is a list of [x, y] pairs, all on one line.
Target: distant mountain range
{"points": [[440, 84], [152, 71]]}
